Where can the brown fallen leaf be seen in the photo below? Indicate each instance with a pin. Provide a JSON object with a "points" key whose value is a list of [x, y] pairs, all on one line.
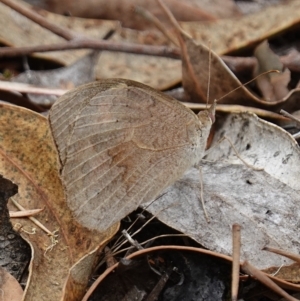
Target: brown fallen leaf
{"points": [[10, 289], [197, 69], [195, 75], [183, 10], [259, 275], [228, 35], [61, 263], [162, 73], [20, 31]]}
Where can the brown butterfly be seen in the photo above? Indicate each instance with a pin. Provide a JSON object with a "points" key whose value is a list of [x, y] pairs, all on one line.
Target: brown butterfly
{"points": [[120, 143]]}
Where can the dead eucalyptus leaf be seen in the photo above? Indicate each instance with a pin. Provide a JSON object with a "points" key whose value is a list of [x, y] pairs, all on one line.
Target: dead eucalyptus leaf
{"points": [[189, 10], [232, 34], [198, 68], [17, 30], [158, 72], [272, 85], [264, 203], [289, 273], [29, 159], [120, 143], [10, 288], [195, 74]]}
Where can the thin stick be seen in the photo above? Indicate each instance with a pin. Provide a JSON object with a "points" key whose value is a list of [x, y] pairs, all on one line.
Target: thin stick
{"points": [[236, 108], [161, 51], [24, 213], [296, 136], [236, 247], [295, 257], [34, 220], [26, 88], [288, 115]]}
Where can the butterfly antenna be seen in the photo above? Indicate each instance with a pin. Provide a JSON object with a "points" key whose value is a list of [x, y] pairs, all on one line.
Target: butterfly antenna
{"points": [[209, 67], [250, 81]]}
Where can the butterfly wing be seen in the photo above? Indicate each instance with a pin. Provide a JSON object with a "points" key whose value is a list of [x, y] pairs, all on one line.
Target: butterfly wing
{"points": [[121, 143]]}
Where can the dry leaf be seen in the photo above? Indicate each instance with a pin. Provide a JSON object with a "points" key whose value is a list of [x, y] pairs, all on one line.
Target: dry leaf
{"points": [[17, 30], [58, 270], [10, 289], [158, 72], [195, 74], [289, 273], [232, 34], [81, 72], [183, 10], [200, 64], [264, 203]]}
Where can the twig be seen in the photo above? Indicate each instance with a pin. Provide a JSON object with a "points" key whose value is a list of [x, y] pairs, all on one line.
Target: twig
{"points": [[295, 257], [25, 213], [35, 17], [34, 220], [25, 88], [236, 246], [164, 51], [237, 108], [288, 115]]}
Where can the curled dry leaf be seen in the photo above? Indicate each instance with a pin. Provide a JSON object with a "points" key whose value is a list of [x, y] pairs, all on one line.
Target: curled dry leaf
{"points": [[60, 267], [264, 203], [273, 86], [195, 74]]}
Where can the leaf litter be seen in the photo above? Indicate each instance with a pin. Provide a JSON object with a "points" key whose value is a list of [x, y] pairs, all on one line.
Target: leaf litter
{"points": [[264, 203], [65, 259], [281, 190]]}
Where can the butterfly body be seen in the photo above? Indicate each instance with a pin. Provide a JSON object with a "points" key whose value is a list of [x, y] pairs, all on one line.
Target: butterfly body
{"points": [[120, 143]]}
